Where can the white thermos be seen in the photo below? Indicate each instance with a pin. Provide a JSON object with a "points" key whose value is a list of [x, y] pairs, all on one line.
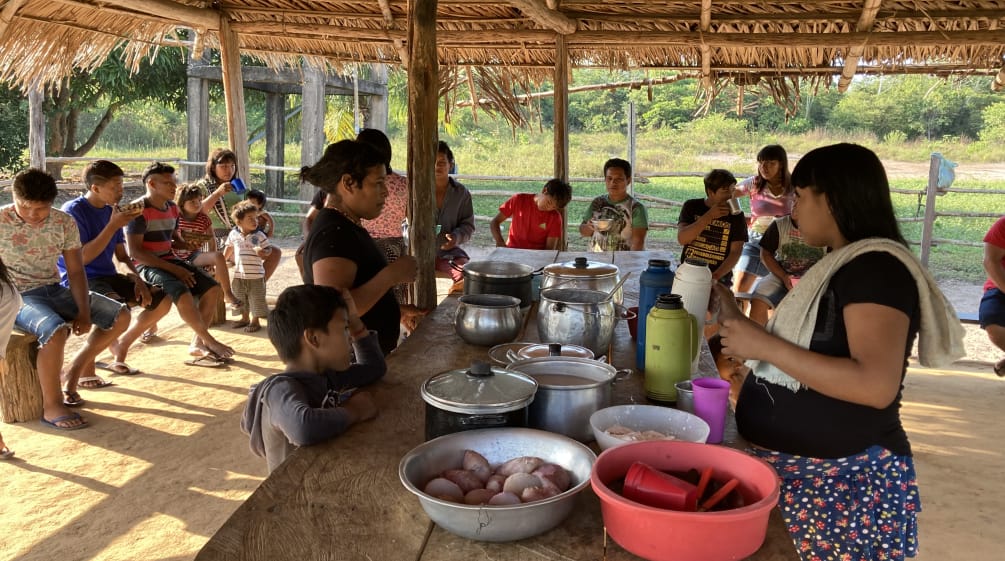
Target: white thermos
{"points": [[693, 281]]}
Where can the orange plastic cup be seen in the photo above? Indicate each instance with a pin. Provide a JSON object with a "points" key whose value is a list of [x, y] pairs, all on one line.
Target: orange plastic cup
{"points": [[649, 486]]}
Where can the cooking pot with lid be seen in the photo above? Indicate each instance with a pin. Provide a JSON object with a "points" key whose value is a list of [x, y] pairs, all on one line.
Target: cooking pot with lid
{"points": [[585, 274], [481, 396], [499, 277], [579, 317]]}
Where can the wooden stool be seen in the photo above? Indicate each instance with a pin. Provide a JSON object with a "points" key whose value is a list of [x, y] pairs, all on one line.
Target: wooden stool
{"points": [[220, 316], [20, 392]]}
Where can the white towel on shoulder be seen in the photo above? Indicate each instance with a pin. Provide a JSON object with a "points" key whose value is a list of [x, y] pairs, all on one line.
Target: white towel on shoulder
{"points": [[940, 336]]}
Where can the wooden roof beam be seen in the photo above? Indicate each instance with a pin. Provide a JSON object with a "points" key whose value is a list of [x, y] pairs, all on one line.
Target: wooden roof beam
{"points": [[7, 14], [865, 22], [705, 24], [542, 15], [166, 9]]}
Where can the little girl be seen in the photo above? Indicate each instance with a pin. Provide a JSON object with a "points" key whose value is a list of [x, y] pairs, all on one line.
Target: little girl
{"points": [[248, 247], [201, 250]]}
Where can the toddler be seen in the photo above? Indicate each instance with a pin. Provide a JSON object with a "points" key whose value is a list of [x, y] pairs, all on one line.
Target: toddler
{"points": [[248, 247], [266, 224], [200, 247]]}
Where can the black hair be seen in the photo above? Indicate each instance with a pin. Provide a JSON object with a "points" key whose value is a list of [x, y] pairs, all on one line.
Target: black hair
{"points": [[341, 158], [257, 196], [100, 171], [34, 185], [378, 140], [186, 193], [157, 168], [558, 190], [219, 156], [856, 187], [299, 308], [241, 210], [5, 281], [619, 163], [774, 153], [443, 148], [718, 179]]}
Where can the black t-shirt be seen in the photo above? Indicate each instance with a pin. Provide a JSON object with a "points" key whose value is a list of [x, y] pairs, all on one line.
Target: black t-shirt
{"points": [[808, 423], [334, 235], [713, 243]]}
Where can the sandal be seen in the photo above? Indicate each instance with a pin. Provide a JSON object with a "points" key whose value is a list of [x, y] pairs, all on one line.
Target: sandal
{"points": [[149, 337], [92, 383], [72, 399], [205, 361], [55, 423], [6, 453], [1000, 368]]}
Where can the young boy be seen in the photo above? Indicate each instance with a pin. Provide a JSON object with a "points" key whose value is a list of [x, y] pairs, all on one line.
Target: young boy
{"points": [[311, 328], [537, 219], [266, 224], [248, 247], [34, 235], [708, 231]]}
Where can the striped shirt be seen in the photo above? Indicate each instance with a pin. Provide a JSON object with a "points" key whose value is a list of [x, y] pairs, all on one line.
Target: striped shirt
{"points": [[247, 264], [157, 226], [201, 224]]}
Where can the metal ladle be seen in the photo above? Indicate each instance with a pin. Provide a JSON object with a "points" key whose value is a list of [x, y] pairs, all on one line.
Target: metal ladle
{"points": [[617, 286]]}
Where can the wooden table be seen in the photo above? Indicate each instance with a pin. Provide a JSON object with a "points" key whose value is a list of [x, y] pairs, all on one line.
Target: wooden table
{"points": [[343, 499]]}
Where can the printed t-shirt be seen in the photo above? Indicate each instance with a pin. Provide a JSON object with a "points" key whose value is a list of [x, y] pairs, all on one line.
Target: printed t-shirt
{"points": [[786, 243], [764, 206], [91, 221], [713, 243], [531, 227], [388, 224], [625, 214], [30, 251], [996, 237]]}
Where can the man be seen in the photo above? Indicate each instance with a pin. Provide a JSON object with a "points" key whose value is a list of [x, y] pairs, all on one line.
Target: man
{"points": [[709, 231], [100, 221], [616, 221], [34, 236], [150, 237], [991, 314], [537, 219]]}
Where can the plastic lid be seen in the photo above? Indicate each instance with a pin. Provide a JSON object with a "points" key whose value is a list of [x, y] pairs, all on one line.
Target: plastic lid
{"points": [[581, 267], [669, 302], [481, 388], [696, 262], [659, 263]]}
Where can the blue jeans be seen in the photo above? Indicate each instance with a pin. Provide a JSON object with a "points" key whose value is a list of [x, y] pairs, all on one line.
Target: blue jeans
{"points": [[49, 308]]}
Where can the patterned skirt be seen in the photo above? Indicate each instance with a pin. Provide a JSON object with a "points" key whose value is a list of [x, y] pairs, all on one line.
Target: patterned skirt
{"points": [[857, 508]]}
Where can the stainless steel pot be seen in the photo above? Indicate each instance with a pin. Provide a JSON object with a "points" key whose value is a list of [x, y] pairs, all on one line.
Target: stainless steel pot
{"points": [[499, 277], [579, 317], [569, 391], [488, 319], [478, 397], [584, 274]]}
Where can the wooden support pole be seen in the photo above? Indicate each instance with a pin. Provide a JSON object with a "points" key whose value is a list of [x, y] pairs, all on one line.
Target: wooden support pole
{"points": [[275, 141], [423, 85], [233, 93], [930, 196], [865, 22], [197, 103], [312, 122], [173, 11], [36, 127], [561, 121]]}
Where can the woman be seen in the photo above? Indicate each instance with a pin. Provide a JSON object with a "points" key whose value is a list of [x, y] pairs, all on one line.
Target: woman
{"points": [[825, 410], [339, 252], [455, 216], [10, 303], [771, 195], [221, 167]]}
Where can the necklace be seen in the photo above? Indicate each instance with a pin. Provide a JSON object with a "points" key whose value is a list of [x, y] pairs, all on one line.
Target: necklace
{"points": [[355, 221]]}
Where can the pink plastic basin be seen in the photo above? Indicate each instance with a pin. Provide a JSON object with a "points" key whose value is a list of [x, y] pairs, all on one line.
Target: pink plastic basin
{"points": [[665, 535]]}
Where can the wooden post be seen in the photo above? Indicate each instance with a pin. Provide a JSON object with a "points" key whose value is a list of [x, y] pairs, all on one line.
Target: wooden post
{"points": [[233, 93], [376, 117], [423, 85], [36, 127], [197, 104], [562, 121], [312, 122], [275, 141], [930, 194], [20, 392]]}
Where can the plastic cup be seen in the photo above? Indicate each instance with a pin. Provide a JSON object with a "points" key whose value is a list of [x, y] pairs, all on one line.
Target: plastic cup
{"points": [[685, 396], [238, 184], [649, 486], [633, 323], [711, 401]]}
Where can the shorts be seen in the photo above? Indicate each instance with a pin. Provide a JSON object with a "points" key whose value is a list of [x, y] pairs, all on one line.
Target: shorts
{"points": [[49, 308], [992, 309], [750, 259], [770, 289], [121, 289], [251, 292], [172, 285]]}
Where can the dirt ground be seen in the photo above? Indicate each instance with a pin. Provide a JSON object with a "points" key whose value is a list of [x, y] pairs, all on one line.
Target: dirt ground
{"points": [[164, 463]]}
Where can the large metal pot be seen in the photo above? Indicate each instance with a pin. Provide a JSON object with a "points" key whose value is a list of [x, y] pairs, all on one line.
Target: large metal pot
{"points": [[579, 317], [499, 277], [488, 319], [478, 397], [584, 274], [569, 391]]}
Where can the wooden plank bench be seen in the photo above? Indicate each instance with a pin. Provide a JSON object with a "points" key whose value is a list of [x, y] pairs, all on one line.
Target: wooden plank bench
{"points": [[20, 392], [968, 317]]}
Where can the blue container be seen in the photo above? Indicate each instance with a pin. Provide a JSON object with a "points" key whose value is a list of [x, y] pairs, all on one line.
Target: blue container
{"points": [[655, 280]]}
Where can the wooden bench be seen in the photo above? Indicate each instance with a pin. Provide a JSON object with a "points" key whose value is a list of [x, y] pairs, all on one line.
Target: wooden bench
{"points": [[20, 392], [968, 317]]}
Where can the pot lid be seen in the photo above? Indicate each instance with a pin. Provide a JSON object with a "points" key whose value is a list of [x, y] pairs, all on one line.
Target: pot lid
{"points": [[481, 388], [498, 269], [581, 267], [536, 350]]}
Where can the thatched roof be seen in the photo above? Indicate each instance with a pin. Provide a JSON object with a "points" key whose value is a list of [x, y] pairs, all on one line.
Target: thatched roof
{"points": [[738, 40]]}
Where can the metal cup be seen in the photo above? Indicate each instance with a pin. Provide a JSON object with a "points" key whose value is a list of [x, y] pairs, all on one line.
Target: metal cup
{"points": [[734, 206]]}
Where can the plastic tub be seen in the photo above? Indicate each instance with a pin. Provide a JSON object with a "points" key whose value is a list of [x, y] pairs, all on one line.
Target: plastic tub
{"points": [[665, 535], [672, 422]]}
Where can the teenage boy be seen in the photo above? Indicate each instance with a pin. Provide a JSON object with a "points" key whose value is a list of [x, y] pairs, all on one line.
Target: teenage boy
{"points": [[616, 221], [708, 231], [100, 221], [991, 313], [537, 219], [311, 327], [150, 237], [34, 235]]}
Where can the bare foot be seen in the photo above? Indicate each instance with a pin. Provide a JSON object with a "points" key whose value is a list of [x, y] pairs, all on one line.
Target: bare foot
{"points": [[253, 327], [220, 349], [239, 324]]}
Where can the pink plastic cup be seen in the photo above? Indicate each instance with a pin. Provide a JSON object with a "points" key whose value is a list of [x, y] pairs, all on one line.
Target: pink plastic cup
{"points": [[711, 401], [649, 486]]}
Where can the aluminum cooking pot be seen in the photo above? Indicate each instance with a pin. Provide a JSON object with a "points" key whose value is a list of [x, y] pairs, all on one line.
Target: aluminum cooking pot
{"points": [[584, 274], [478, 397], [579, 317], [499, 277], [488, 319]]}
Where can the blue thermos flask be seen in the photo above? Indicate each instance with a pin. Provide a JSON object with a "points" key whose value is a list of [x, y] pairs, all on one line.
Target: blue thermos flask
{"points": [[655, 280]]}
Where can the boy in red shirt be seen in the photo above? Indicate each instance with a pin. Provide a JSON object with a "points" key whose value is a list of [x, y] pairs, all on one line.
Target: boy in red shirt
{"points": [[537, 220]]}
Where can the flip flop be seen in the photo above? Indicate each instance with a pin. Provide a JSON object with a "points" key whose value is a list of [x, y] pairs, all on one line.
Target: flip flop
{"points": [[72, 399], [117, 367], [1000, 368], [55, 422], [205, 361], [149, 337], [6, 453], [95, 382], [221, 358]]}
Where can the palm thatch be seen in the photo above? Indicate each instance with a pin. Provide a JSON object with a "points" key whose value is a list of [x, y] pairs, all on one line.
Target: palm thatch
{"points": [[715, 40]]}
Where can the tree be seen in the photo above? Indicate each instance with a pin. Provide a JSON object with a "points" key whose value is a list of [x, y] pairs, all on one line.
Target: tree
{"points": [[13, 129], [161, 78]]}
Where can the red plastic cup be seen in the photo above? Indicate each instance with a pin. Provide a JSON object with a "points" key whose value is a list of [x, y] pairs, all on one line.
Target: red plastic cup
{"points": [[633, 323], [649, 486]]}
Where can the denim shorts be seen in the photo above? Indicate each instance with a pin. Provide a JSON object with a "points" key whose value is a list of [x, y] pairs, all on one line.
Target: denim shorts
{"points": [[172, 285], [750, 259], [121, 289], [47, 309], [770, 288], [992, 309]]}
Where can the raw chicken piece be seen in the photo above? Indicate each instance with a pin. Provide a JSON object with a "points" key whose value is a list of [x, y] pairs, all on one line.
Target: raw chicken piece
{"points": [[444, 489], [523, 464], [619, 430], [477, 464], [495, 483], [517, 482], [504, 498], [479, 496], [464, 479], [531, 494], [555, 474]]}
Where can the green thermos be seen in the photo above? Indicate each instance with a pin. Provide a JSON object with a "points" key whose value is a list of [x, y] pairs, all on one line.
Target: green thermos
{"points": [[671, 344]]}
